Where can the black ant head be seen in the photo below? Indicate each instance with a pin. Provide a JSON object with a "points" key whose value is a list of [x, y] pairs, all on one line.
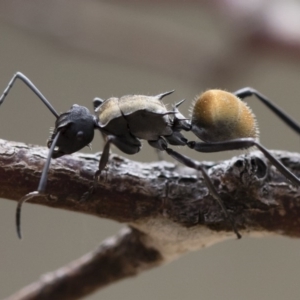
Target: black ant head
{"points": [[76, 127]]}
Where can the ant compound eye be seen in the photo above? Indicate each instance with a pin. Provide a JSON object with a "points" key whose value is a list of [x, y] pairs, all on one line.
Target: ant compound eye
{"points": [[79, 135]]}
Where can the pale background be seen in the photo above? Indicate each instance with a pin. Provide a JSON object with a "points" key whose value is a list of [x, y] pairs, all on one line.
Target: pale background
{"points": [[76, 50]]}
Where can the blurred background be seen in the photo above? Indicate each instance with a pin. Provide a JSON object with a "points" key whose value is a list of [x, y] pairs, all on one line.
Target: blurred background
{"points": [[76, 50]]}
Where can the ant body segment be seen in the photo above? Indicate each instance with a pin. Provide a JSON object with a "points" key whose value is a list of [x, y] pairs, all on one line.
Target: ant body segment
{"points": [[220, 119]]}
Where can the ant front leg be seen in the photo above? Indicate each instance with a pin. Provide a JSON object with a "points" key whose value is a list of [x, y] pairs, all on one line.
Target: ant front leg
{"points": [[247, 92], [41, 188], [240, 144]]}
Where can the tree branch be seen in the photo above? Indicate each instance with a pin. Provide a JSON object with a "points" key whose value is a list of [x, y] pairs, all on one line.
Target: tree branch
{"points": [[116, 258], [169, 206]]}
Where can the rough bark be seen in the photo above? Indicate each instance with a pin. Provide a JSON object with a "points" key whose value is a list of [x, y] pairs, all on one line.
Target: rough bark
{"points": [[167, 207]]}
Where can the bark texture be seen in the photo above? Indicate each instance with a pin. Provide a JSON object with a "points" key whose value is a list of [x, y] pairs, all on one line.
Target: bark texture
{"points": [[167, 207]]}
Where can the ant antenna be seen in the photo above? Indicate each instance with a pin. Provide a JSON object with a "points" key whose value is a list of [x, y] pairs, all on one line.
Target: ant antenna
{"points": [[22, 77], [41, 188]]}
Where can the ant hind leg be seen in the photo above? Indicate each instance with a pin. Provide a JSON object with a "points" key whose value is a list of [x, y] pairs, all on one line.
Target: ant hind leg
{"points": [[247, 92], [197, 166], [240, 144]]}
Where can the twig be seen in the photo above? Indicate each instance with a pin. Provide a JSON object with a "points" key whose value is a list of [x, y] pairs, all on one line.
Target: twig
{"points": [[116, 258]]}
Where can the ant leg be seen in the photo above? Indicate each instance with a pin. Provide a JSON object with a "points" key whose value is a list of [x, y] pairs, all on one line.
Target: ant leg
{"points": [[240, 144], [130, 146], [197, 166], [22, 77], [41, 188], [102, 164], [247, 92]]}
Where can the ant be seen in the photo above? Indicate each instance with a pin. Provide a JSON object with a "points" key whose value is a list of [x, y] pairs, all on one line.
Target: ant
{"points": [[125, 121]]}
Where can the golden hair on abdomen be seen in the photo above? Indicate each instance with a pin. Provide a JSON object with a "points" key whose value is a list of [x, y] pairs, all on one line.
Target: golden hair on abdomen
{"points": [[218, 115]]}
